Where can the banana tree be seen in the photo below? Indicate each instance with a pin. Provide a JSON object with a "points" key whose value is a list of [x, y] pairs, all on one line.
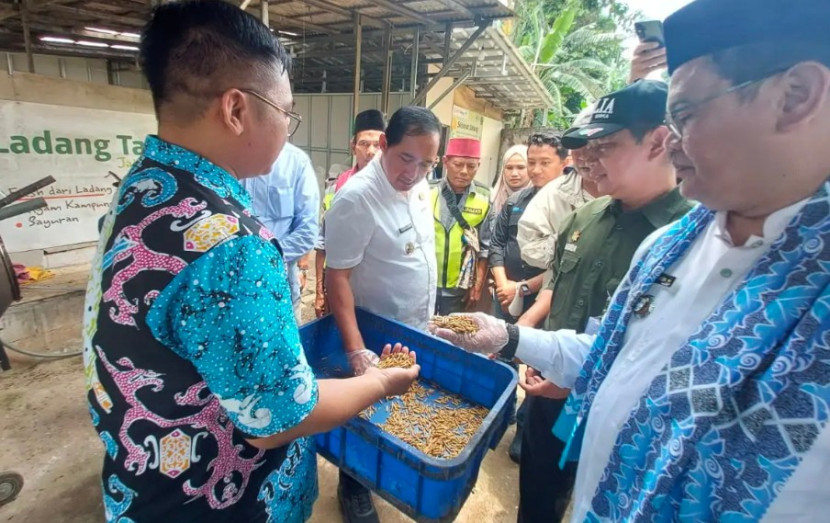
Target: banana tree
{"points": [[547, 48]]}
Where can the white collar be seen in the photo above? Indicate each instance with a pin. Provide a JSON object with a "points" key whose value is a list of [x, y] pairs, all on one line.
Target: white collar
{"points": [[774, 225]]}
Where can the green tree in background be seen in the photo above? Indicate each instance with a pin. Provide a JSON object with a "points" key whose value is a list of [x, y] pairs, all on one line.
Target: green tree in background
{"points": [[575, 46]]}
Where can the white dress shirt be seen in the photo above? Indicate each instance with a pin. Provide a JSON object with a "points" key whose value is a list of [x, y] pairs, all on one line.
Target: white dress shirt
{"points": [[387, 238], [710, 269]]}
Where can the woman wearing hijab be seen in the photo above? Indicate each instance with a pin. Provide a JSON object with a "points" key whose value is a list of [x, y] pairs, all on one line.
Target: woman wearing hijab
{"points": [[514, 176]]}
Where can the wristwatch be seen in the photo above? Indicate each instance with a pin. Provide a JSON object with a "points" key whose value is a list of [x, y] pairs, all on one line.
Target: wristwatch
{"points": [[508, 353], [524, 289]]}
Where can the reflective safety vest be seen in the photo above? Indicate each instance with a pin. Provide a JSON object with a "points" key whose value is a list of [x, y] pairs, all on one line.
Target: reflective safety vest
{"points": [[328, 197], [449, 244]]}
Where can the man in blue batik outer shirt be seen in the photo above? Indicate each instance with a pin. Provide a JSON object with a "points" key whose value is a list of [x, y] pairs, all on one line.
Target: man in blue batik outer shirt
{"points": [[287, 200], [196, 380]]}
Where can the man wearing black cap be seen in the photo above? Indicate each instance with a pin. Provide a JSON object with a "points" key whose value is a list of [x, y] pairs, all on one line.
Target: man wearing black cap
{"points": [[624, 142], [704, 396], [365, 145]]}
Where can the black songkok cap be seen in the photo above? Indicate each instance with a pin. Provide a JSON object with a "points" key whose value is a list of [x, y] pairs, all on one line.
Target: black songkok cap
{"points": [[369, 120], [706, 27]]}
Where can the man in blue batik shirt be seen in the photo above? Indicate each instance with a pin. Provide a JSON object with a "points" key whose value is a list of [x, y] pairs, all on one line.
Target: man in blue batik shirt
{"points": [[286, 201], [197, 383]]}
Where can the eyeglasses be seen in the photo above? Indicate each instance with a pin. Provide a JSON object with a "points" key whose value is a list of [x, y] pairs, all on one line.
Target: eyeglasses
{"points": [[294, 119], [676, 127]]}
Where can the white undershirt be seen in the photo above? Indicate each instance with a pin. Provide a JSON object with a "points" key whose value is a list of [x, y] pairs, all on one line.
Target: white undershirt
{"points": [[710, 270]]}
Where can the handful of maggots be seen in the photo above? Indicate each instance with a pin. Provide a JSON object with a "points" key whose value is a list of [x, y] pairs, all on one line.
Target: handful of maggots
{"points": [[459, 324], [438, 423]]}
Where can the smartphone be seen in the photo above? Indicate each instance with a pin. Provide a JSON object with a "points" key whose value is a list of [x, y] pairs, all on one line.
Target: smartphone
{"points": [[650, 31]]}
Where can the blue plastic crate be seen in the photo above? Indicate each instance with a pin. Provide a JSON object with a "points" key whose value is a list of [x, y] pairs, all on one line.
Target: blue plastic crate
{"points": [[425, 488]]}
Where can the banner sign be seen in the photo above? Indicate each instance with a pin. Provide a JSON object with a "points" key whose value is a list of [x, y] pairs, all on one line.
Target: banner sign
{"points": [[466, 123], [78, 147]]}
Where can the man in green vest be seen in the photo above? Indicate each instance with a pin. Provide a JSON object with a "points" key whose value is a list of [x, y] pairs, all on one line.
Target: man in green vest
{"points": [[461, 208]]}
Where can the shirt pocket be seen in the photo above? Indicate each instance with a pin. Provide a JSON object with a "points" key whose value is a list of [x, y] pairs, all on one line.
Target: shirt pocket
{"points": [[281, 203], [566, 272]]}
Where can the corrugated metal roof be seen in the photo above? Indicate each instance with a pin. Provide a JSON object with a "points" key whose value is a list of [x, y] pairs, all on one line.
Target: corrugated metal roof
{"points": [[497, 71]]}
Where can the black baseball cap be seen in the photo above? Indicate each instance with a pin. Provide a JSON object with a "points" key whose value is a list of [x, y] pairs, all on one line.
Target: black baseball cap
{"points": [[642, 103]]}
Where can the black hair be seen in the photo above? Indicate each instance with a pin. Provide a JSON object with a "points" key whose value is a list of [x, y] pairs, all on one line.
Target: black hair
{"points": [[548, 138], [204, 47], [756, 61], [411, 120]]}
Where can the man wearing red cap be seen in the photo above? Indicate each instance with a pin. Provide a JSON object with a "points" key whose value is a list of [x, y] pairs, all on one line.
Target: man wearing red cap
{"points": [[461, 208]]}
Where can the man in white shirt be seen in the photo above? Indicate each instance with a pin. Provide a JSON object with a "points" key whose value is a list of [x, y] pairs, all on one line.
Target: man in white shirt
{"points": [[380, 250], [704, 395]]}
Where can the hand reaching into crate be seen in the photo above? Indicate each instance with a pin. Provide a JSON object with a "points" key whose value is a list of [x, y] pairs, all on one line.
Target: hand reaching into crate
{"points": [[398, 378], [489, 336], [360, 360]]}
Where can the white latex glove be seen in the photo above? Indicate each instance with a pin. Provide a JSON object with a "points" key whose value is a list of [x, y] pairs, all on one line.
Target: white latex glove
{"points": [[490, 338], [360, 360]]}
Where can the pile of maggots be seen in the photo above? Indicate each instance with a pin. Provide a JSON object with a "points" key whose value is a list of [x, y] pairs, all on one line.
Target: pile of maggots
{"points": [[441, 430], [459, 324]]}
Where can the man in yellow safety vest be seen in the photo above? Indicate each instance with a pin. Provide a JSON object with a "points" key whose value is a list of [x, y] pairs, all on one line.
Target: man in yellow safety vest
{"points": [[461, 211]]}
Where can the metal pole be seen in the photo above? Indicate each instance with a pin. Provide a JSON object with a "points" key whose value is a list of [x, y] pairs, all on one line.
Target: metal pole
{"points": [[358, 43], [263, 11], [455, 85], [448, 65], [447, 41], [387, 70], [413, 72], [27, 35]]}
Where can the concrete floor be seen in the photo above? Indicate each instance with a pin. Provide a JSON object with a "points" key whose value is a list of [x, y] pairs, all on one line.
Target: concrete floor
{"points": [[47, 436]]}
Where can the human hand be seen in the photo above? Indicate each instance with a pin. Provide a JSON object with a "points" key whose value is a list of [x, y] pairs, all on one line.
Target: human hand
{"points": [[472, 298], [320, 305], [362, 359], [490, 338], [535, 385], [506, 292], [648, 57], [396, 381]]}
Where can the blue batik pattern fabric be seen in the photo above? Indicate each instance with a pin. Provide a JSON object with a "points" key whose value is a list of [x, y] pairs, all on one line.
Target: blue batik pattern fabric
{"points": [[725, 424], [230, 314], [191, 349], [289, 493]]}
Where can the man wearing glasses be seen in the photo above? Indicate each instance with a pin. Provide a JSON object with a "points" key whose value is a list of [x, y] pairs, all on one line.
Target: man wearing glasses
{"points": [[380, 251], [197, 383], [704, 396], [461, 208], [623, 149]]}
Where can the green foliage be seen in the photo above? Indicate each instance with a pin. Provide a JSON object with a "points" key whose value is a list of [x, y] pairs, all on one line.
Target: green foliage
{"points": [[575, 46]]}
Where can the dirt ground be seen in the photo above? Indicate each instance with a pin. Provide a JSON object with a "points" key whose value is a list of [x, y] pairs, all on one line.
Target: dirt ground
{"points": [[47, 436]]}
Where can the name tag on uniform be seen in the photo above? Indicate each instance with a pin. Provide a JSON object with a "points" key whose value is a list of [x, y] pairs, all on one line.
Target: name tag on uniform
{"points": [[406, 228], [570, 247], [666, 280], [471, 210]]}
